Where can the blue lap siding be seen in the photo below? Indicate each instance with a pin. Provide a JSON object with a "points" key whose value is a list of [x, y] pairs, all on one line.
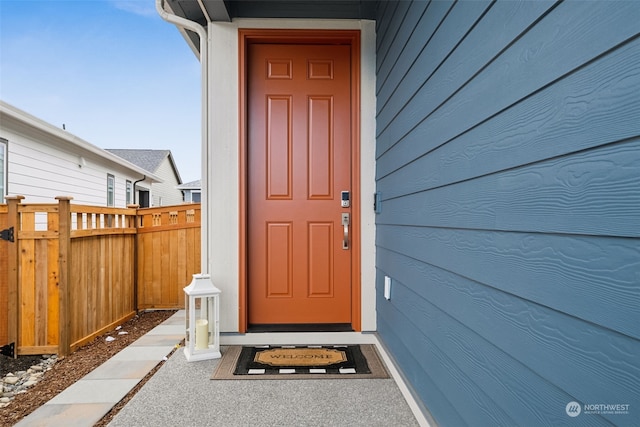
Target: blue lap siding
{"points": [[508, 164]]}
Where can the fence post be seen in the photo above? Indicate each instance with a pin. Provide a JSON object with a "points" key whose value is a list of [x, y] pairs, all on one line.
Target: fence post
{"points": [[64, 264], [13, 314], [135, 224]]}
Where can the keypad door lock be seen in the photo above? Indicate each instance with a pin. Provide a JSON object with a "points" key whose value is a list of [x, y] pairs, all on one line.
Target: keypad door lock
{"points": [[344, 199]]}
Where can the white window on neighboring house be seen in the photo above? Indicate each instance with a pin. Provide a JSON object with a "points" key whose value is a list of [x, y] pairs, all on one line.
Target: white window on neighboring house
{"points": [[3, 169], [111, 186], [195, 196], [129, 191]]}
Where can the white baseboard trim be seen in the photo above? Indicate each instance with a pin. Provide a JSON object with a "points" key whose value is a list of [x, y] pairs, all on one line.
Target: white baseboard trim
{"points": [[404, 389]]}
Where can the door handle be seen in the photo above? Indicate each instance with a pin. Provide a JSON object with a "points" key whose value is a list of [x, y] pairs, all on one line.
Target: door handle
{"points": [[345, 225]]}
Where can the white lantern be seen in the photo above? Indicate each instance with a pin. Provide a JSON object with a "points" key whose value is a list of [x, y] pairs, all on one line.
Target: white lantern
{"points": [[202, 305]]}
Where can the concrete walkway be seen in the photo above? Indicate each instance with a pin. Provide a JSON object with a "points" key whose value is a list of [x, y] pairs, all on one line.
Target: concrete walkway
{"points": [[183, 393], [85, 402]]}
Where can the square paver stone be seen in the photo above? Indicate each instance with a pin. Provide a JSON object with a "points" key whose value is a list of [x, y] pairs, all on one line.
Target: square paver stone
{"points": [[143, 353], [121, 369], [176, 319], [158, 340], [66, 415], [168, 330], [95, 391]]}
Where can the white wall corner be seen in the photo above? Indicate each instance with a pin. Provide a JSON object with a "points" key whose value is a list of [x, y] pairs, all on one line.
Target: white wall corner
{"points": [[224, 169]]}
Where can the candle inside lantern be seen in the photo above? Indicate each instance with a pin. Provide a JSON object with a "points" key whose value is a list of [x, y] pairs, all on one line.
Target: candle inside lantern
{"points": [[202, 334]]}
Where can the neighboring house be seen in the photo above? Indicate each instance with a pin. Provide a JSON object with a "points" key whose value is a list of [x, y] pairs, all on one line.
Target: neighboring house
{"points": [[159, 163], [502, 143], [41, 161], [192, 191]]}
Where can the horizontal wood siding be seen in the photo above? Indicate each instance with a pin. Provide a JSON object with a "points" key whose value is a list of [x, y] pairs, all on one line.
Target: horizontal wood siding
{"points": [[165, 193], [41, 166], [508, 162]]}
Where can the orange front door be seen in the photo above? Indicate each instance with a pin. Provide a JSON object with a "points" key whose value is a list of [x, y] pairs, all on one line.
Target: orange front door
{"points": [[299, 158]]}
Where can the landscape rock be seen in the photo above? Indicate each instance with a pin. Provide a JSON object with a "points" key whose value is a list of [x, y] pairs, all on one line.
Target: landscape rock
{"points": [[11, 379], [16, 383]]}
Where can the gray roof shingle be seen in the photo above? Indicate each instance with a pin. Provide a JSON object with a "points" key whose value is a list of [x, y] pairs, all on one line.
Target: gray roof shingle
{"points": [[149, 160]]}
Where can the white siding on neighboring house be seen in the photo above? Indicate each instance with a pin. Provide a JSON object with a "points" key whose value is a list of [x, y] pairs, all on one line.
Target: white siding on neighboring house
{"points": [[165, 193], [159, 163], [3, 167], [192, 191], [44, 162], [192, 196]]}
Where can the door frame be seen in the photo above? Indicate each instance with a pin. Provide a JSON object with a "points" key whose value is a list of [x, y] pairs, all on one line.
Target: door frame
{"points": [[343, 37]]}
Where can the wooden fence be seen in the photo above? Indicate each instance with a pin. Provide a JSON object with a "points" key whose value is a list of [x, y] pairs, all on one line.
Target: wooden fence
{"points": [[168, 244], [76, 271]]}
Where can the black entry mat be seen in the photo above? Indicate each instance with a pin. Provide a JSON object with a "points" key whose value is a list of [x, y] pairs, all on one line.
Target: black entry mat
{"points": [[300, 362]]}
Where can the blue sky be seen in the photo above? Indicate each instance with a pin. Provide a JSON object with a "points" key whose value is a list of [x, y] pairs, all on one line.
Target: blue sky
{"points": [[112, 71]]}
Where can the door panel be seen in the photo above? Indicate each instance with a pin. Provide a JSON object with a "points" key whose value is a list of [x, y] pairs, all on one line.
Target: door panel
{"points": [[320, 147], [299, 158], [279, 260], [279, 140]]}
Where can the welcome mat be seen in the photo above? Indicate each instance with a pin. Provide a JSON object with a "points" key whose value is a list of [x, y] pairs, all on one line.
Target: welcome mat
{"points": [[300, 362]]}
